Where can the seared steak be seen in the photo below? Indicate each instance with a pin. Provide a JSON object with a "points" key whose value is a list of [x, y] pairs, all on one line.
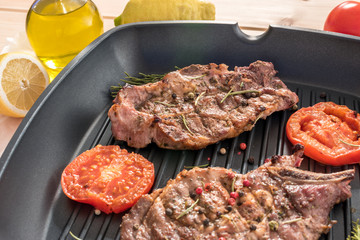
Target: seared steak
{"points": [[198, 105], [275, 201]]}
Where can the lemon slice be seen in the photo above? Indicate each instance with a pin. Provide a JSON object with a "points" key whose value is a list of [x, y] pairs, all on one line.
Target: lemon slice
{"points": [[22, 80]]}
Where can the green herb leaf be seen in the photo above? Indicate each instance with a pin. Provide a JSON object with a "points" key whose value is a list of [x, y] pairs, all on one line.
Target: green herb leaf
{"points": [[186, 211], [185, 123], [166, 104], [197, 99], [143, 79], [75, 237], [233, 185], [228, 94], [350, 144], [292, 220], [200, 166], [355, 233]]}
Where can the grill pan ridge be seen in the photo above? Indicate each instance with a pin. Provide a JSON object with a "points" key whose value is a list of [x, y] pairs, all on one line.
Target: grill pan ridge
{"points": [[81, 125]]}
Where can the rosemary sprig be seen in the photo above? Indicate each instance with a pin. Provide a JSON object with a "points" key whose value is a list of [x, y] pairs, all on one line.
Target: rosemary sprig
{"points": [[228, 94], [186, 211], [233, 184], [143, 79], [185, 124], [355, 233], [200, 166], [166, 104], [350, 144], [292, 220], [190, 77], [244, 91], [197, 99], [75, 237]]}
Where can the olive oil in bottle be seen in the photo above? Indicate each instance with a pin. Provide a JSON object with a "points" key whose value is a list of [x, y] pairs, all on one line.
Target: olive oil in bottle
{"points": [[59, 29]]}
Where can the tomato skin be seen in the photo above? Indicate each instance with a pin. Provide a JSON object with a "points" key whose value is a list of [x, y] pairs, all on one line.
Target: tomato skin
{"points": [[323, 129], [344, 18], [107, 177]]}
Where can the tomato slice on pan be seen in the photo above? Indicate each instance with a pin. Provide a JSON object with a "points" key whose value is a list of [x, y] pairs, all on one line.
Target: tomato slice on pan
{"points": [[109, 178], [329, 132]]}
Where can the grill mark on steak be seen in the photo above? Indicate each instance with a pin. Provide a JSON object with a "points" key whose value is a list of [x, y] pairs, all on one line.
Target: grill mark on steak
{"points": [[297, 201], [216, 114]]}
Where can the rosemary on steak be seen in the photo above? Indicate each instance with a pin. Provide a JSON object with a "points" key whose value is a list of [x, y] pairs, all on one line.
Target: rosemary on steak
{"points": [[186, 211], [141, 80], [200, 166], [185, 124]]}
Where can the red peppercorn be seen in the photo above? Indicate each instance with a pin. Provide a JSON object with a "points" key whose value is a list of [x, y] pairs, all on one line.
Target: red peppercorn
{"points": [[234, 195], [198, 190], [231, 175], [267, 160], [246, 183], [231, 201], [222, 238], [242, 146], [207, 186]]}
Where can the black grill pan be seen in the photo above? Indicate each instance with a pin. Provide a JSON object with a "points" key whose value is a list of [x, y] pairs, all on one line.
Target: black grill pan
{"points": [[71, 117]]}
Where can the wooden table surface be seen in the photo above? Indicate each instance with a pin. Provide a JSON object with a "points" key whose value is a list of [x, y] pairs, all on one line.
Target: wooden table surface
{"points": [[252, 16]]}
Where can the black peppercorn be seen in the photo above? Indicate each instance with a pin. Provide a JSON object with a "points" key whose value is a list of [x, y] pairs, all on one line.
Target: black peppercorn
{"points": [[206, 222], [241, 193], [193, 195], [251, 160], [262, 108], [173, 95], [168, 211], [252, 227], [228, 208]]}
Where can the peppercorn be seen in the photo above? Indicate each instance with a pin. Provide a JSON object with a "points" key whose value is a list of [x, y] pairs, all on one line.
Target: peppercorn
{"points": [[168, 211], [222, 151], [222, 238], [246, 183], [273, 225], [198, 190], [267, 160], [173, 95], [207, 186], [228, 208], [242, 146], [251, 160], [206, 222], [234, 195], [231, 201], [231, 175], [252, 227], [262, 108], [193, 195], [241, 193]]}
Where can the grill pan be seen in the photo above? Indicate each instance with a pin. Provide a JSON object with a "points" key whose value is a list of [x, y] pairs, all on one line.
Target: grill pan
{"points": [[71, 117]]}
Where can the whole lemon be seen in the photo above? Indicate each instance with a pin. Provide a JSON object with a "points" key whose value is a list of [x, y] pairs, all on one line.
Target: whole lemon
{"points": [[161, 10]]}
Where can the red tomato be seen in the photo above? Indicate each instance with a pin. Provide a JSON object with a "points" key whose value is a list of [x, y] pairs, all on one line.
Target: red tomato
{"points": [[107, 177], [329, 132], [344, 18]]}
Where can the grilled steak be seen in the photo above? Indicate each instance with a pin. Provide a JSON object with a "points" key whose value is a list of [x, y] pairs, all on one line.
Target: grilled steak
{"points": [[275, 201], [198, 105]]}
